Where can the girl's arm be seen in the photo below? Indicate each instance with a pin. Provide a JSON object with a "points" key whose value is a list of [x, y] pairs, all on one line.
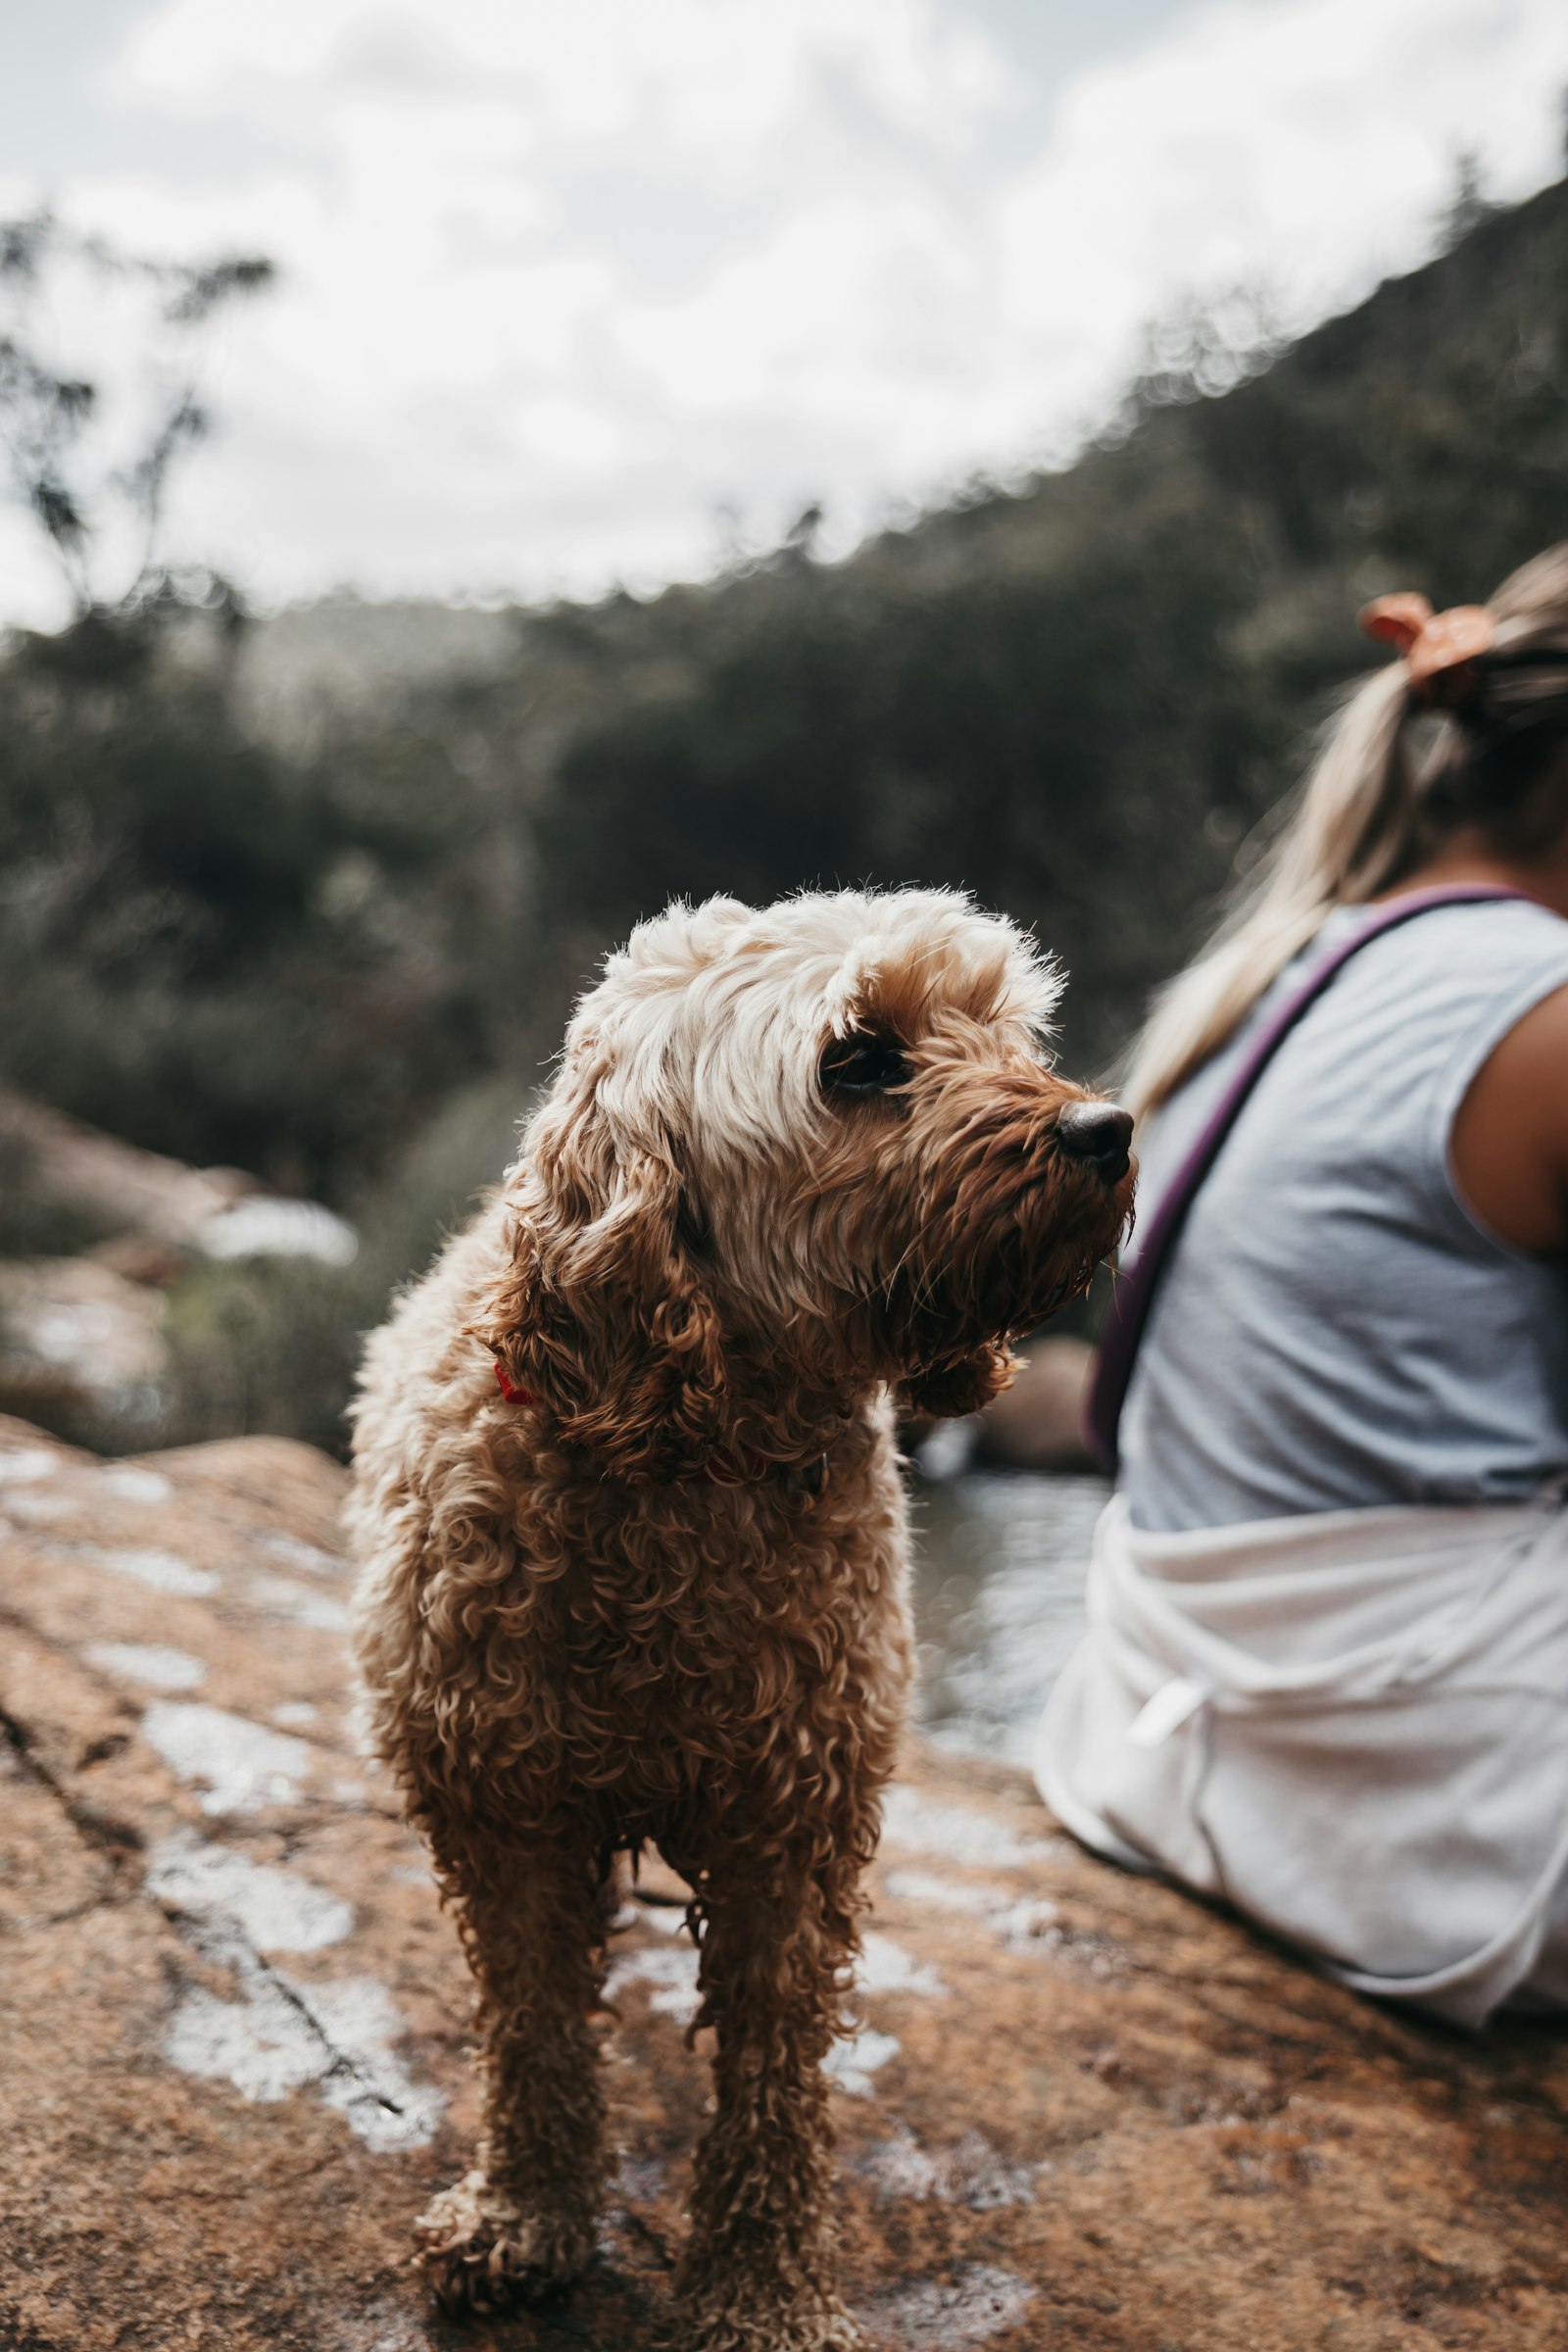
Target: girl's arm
{"points": [[1510, 1147]]}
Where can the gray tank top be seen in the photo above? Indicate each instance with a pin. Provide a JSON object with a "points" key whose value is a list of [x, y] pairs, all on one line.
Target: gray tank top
{"points": [[1335, 1329]]}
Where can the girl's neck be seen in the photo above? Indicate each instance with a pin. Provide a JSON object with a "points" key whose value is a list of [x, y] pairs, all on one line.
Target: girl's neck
{"points": [[1468, 856]]}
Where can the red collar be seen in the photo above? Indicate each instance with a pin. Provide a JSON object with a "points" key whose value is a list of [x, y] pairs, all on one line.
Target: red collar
{"points": [[731, 1466], [512, 1394]]}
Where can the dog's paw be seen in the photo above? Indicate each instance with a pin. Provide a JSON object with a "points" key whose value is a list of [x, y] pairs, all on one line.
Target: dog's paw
{"points": [[483, 2252], [747, 2324], [757, 2334]]}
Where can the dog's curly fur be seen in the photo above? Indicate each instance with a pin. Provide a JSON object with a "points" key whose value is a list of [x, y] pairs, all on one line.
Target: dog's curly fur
{"points": [[660, 1593]]}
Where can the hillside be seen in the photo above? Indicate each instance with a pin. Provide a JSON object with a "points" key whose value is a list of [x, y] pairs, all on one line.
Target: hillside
{"points": [[1077, 701], [312, 899], [1080, 701]]}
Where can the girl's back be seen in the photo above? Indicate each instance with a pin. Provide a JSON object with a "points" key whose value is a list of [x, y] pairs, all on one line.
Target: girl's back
{"points": [[1325, 1673], [1335, 1329]]}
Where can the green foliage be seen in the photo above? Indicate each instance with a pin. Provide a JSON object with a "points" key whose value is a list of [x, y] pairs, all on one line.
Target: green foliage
{"points": [[263, 1348], [206, 947], [1080, 701], [1002, 732]]}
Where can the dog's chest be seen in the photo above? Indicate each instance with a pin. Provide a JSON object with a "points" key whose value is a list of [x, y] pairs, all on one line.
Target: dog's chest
{"points": [[669, 1664], [659, 1647], [707, 1645]]}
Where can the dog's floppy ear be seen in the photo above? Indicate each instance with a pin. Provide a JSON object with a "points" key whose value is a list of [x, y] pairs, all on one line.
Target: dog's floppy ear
{"points": [[602, 1315]]}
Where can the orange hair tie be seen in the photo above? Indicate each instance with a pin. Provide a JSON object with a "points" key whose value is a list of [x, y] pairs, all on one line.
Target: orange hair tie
{"points": [[1435, 645]]}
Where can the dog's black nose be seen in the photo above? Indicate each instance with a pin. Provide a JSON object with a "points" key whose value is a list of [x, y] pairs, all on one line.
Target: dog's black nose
{"points": [[1101, 1133]]}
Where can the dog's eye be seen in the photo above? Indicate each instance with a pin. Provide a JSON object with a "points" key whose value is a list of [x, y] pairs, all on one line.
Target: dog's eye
{"points": [[863, 1066]]}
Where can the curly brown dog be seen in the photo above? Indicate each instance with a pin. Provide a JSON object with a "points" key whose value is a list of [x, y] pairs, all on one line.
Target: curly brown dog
{"points": [[641, 1577]]}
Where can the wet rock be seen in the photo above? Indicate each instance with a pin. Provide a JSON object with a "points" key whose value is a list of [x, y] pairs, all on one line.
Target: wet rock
{"points": [[76, 1335], [117, 1185], [141, 1258], [1079, 2110], [124, 1193], [1034, 1424]]}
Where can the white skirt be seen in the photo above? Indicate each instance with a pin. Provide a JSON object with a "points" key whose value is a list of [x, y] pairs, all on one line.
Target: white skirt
{"points": [[1353, 1726]]}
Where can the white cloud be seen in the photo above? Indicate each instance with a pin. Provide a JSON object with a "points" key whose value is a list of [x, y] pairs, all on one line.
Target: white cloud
{"points": [[559, 281], [1313, 140]]}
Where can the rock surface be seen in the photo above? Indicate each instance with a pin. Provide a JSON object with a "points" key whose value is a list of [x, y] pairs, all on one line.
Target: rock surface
{"points": [[76, 1335], [124, 1191], [83, 1334], [126, 1188], [1082, 2111]]}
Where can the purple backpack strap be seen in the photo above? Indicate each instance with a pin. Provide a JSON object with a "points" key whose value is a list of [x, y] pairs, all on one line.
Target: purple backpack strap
{"points": [[1134, 1293]]}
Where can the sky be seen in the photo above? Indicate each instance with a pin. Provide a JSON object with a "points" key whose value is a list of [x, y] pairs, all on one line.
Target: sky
{"points": [[572, 296]]}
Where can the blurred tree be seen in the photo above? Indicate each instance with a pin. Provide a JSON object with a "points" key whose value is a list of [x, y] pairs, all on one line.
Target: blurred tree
{"points": [[207, 944], [210, 947], [46, 406], [1468, 204]]}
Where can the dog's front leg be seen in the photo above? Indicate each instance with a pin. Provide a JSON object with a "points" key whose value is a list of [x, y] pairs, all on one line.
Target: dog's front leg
{"points": [[533, 1922], [760, 2271]]}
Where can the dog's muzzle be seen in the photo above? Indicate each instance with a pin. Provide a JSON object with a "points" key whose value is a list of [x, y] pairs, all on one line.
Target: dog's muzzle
{"points": [[1099, 1133]]}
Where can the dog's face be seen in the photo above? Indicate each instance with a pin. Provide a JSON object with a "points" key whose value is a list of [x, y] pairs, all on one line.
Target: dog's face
{"points": [[824, 1139]]}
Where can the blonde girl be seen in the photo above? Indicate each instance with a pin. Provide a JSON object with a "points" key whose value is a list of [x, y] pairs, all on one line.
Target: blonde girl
{"points": [[1326, 1675]]}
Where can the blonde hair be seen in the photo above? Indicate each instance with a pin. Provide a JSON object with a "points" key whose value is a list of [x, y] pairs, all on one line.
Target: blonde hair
{"points": [[1372, 805]]}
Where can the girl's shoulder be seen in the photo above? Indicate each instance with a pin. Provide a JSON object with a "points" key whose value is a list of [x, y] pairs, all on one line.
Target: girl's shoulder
{"points": [[1453, 960]]}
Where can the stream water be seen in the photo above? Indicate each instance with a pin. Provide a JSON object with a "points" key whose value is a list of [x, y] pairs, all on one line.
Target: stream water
{"points": [[1001, 1558]]}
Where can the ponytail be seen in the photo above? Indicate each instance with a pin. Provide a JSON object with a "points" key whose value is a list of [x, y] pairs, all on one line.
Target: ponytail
{"points": [[1366, 815], [1343, 845]]}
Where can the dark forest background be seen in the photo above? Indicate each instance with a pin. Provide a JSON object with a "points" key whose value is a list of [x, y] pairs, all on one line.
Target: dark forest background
{"points": [[332, 938]]}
